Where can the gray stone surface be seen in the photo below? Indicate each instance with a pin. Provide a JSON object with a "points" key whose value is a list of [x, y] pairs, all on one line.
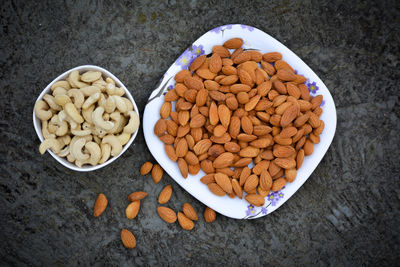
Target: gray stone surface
{"points": [[347, 213]]}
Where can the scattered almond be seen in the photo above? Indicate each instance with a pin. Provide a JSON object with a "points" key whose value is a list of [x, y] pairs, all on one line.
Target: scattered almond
{"points": [[100, 205], [128, 239], [165, 195]]}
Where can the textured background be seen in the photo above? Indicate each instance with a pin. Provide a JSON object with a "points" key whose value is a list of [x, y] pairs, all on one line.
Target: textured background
{"points": [[347, 213]]}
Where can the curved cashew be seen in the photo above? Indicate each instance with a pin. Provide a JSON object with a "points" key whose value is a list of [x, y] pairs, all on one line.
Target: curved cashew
{"points": [[72, 112], [124, 138], [133, 123], [91, 100], [120, 103], [64, 140], [78, 132], [45, 131], [50, 101], [99, 132], [86, 126], [62, 116], [42, 110], [101, 84], [105, 152], [122, 124], [57, 126], [65, 152], [97, 118], [70, 158], [59, 91], [109, 80], [90, 90], [129, 105], [76, 149], [110, 105], [53, 144], [117, 119], [94, 151], [87, 114], [74, 79], [115, 144], [111, 89], [97, 139], [102, 101], [62, 100], [62, 84], [91, 76], [77, 96]]}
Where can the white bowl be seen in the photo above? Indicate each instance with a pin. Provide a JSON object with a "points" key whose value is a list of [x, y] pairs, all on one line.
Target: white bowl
{"points": [[254, 39], [38, 125]]}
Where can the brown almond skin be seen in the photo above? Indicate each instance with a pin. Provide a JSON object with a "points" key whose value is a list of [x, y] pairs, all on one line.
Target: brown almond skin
{"points": [[233, 43], [167, 214], [100, 205], [278, 184], [157, 173], [185, 222], [165, 195], [190, 212], [209, 215], [146, 168], [132, 209], [137, 196], [183, 167], [255, 199], [128, 239]]}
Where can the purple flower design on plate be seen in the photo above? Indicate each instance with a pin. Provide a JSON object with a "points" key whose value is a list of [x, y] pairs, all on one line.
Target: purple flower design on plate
{"points": [[197, 50], [185, 59], [250, 210], [263, 210], [217, 30], [312, 87], [322, 103], [247, 27], [274, 197], [170, 87]]}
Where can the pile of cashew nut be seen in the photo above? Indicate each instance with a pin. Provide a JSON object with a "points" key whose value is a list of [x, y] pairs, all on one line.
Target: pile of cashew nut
{"points": [[86, 118]]}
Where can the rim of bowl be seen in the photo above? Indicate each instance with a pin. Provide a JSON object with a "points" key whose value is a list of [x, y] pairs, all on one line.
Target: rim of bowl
{"points": [[38, 124]]}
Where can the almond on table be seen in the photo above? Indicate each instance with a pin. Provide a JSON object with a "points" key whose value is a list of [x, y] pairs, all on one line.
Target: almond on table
{"points": [[235, 107]]}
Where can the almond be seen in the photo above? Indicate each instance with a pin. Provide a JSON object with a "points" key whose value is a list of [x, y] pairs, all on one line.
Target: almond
{"points": [[305, 94], [190, 212], [170, 151], [293, 90], [265, 180], [320, 129], [181, 148], [289, 115], [288, 132], [285, 163], [160, 127], [180, 76], [232, 103], [251, 183], [249, 152], [100, 205], [172, 127], [308, 147], [171, 96], [299, 158], [166, 214], [197, 121], [197, 62], [233, 43], [237, 88], [268, 68], [228, 80], [286, 74], [167, 139], [223, 160], [193, 83], [194, 169], [137, 196], [165, 195], [261, 130], [216, 189], [209, 215], [242, 162], [255, 199], [221, 51], [260, 166], [242, 57], [283, 151], [278, 184], [132, 209], [157, 173], [232, 147], [219, 130], [224, 115], [183, 167], [211, 85], [202, 146], [207, 166], [234, 127], [260, 143], [252, 103], [213, 114], [185, 222], [316, 101], [215, 63], [245, 77], [247, 125], [272, 56], [201, 97], [229, 70], [165, 110], [128, 239], [146, 168], [206, 74], [208, 178], [224, 182], [237, 188], [290, 175], [217, 96]]}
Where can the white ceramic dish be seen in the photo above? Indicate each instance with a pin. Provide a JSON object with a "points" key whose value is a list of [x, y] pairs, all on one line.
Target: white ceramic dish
{"points": [[38, 125], [254, 39]]}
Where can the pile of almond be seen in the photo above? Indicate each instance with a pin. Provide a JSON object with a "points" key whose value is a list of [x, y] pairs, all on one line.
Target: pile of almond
{"points": [[245, 118]]}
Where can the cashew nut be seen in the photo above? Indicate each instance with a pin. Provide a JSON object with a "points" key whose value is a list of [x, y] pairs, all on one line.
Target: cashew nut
{"points": [[129, 105], [111, 89], [61, 126], [62, 100], [52, 144], [105, 152], [65, 152], [124, 138], [70, 158], [101, 84], [76, 149], [97, 118], [62, 84], [64, 140], [97, 139], [62, 116], [59, 91], [90, 90], [120, 103], [50, 101], [45, 131], [133, 123], [94, 151], [87, 114], [74, 79], [90, 76], [115, 144], [117, 119], [110, 105], [77, 96], [106, 116], [91, 100], [102, 101], [78, 132], [42, 110], [121, 124], [109, 80], [72, 112]]}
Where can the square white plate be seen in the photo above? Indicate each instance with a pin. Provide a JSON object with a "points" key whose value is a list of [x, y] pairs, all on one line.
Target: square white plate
{"points": [[254, 39]]}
